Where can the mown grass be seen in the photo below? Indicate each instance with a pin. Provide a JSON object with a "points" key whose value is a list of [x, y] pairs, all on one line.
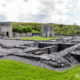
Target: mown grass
{"points": [[39, 38], [34, 31], [14, 70]]}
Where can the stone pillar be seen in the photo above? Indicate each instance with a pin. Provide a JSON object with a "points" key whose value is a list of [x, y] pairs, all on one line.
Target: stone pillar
{"points": [[47, 30]]}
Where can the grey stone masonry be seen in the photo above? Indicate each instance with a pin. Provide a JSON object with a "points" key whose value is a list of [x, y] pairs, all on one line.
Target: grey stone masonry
{"points": [[47, 30], [6, 29]]}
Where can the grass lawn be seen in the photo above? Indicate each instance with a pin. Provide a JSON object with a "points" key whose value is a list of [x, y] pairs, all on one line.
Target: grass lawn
{"points": [[14, 70], [39, 38], [34, 31]]}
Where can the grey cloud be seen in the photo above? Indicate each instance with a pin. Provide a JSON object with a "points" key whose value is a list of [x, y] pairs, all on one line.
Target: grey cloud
{"points": [[2, 18], [25, 0], [31, 18], [4, 5], [39, 17], [60, 2], [48, 6]]}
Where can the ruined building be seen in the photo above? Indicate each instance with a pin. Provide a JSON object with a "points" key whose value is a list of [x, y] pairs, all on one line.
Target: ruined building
{"points": [[6, 29], [47, 30]]}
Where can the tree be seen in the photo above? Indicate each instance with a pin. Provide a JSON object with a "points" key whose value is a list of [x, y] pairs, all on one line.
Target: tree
{"points": [[20, 30], [16, 29], [24, 30], [29, 29]]}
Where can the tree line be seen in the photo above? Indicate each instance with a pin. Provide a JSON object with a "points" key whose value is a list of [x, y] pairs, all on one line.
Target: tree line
{"points": [[26, 27], [36, 28]]}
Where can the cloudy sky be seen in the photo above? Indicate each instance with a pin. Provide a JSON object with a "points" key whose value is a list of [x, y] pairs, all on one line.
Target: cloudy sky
{"points": [[50, 11]]}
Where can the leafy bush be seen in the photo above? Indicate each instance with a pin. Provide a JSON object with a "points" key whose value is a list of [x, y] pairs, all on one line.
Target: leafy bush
{"points": [[24, 30], [78, 32], [16, 29], [29, 29], [20, 30], [26, 27]]}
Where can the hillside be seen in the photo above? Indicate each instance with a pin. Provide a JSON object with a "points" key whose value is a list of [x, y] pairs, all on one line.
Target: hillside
{"points": [[36, 28]]}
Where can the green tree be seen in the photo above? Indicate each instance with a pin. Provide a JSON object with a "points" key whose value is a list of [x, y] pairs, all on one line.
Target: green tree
{"points": [[20, 30], [24, 30], [16, 29], [29, 29]]}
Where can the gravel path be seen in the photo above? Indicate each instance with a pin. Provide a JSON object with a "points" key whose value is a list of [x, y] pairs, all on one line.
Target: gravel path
{"points": [[28, 61]]}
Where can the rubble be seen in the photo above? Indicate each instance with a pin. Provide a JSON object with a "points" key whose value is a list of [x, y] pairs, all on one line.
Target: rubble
{"points": [[57, 55]]}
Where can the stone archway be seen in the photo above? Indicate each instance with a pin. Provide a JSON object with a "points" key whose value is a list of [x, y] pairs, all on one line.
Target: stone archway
{"points": [[7, 34]]}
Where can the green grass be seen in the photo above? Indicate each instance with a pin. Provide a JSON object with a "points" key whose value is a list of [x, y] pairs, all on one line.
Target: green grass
{"points": [[39, 38], [34, 31], [14, 70]]}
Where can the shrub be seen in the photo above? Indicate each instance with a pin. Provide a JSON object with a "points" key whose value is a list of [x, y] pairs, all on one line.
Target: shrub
{"points": [[24, 30], [20, 30], [77, 32], [29, 29], [16, 29]]}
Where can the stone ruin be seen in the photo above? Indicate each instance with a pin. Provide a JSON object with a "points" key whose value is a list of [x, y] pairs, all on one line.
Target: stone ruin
{"points": [[59, 54], [6, 29], [47, 30]]}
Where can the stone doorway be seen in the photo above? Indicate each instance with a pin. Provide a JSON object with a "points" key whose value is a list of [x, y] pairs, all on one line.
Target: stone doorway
{"points": [[7, 34]]}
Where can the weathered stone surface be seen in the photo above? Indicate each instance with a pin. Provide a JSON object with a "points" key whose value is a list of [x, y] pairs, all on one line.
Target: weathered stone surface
{"points": [[47, 30], [54, 54], [6, 30]]}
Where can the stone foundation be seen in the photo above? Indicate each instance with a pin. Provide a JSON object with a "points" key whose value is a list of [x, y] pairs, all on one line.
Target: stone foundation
{"points": [[54, 54]]}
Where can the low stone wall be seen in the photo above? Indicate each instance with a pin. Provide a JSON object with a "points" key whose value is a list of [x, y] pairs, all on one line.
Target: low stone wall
{"points": [[36, 34], [45, 44], [50, 48], [45, 50], [26, 34], [22, 34], [63, 46]]}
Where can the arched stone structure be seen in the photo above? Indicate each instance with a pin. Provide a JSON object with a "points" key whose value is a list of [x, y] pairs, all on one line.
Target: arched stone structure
{"points": [[6, 29]]}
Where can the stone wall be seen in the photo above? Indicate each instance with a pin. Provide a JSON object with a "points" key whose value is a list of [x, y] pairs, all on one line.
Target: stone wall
{"points": [[22, 34], [6, 29], [26, 34], [47, 30], [45, 50], [36, 34]]}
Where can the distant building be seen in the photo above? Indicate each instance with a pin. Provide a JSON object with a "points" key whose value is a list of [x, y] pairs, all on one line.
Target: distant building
{"points": [[6, 29], [47, 30]]}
